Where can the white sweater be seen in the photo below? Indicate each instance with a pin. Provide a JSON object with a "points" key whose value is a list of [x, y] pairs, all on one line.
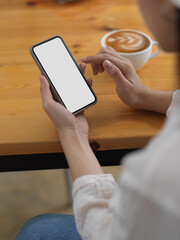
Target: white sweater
{"points": [[145, 203]]}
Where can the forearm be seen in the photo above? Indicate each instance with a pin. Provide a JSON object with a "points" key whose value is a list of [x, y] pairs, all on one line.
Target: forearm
{"points": [[80, 157], [156, 101]]}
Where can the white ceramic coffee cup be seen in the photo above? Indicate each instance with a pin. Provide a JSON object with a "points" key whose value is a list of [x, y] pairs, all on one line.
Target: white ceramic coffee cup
{"points": [[138, 59]]}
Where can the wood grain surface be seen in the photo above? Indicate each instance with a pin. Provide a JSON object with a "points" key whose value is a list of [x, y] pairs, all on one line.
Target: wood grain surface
{"points": [[24, 127]]}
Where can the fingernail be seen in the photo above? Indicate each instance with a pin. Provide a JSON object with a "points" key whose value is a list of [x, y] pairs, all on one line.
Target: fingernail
{"points": [[108, 64], [83, 59]]}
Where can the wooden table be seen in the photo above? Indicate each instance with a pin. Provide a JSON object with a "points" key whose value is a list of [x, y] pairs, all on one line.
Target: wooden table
{"points": [[27, 137]]}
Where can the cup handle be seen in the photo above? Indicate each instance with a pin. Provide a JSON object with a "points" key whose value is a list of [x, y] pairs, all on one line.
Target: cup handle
{"points": [[158, 50]]}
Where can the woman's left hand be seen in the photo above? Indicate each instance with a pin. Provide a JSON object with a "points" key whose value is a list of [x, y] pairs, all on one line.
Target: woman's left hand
{"points": [[63, 119]]}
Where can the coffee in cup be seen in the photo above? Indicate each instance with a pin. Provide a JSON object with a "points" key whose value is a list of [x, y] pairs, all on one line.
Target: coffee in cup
{"points": [[127, 41], [131, 44]]}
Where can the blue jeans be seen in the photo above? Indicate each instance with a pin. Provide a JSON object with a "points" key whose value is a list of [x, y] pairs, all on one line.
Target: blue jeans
{"points": [[49, 227]]}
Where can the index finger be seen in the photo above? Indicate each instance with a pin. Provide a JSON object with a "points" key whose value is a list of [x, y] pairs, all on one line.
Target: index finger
{"points": [[100, 58], [97, 59], [102, 55]]}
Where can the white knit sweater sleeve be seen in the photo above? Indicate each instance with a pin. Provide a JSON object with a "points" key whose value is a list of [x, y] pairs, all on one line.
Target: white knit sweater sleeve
{"points": [[92, 194]]}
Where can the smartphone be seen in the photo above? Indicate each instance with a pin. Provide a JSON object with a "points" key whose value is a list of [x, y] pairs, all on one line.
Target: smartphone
{"points": [[67, 82]]}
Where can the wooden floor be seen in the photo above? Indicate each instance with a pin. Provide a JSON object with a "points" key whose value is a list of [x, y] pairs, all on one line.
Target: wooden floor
{"points": [[27, 194], [24, 195]]}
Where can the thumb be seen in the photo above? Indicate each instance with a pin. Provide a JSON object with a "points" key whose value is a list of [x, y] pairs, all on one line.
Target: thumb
{"points": [[114, 72], [45, 91]]}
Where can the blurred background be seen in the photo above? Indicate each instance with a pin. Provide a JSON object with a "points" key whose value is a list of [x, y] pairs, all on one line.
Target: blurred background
{"points": [[24, 195]]}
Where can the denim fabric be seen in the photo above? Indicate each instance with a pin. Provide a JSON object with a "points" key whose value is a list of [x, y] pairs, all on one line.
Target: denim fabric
{"points": [[49, 227]]}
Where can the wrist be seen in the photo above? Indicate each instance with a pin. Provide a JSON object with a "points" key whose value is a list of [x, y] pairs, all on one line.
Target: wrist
{"points": [[71, 135], [79, 155], [155, 100], [144, 97]]}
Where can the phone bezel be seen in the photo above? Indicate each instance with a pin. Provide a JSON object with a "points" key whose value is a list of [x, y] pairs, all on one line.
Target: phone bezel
{"points": [[56, 95]]}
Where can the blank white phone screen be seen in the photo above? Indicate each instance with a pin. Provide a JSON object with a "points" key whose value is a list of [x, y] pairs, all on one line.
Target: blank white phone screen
{"points": [[64, 74]]}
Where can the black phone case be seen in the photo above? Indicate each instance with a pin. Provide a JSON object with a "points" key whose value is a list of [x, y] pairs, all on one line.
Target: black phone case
{"points": [[55, 94]]}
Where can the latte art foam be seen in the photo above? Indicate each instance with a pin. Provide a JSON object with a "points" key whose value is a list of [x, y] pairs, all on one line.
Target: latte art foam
{"points": [[127, 41]]}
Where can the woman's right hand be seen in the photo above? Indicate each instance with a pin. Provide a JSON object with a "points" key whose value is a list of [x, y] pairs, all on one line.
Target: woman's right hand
{"points": [[129, 87]]}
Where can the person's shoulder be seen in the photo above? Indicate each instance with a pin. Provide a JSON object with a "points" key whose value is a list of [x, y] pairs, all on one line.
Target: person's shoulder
{"points": [[156, 166], [154, 170]]}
